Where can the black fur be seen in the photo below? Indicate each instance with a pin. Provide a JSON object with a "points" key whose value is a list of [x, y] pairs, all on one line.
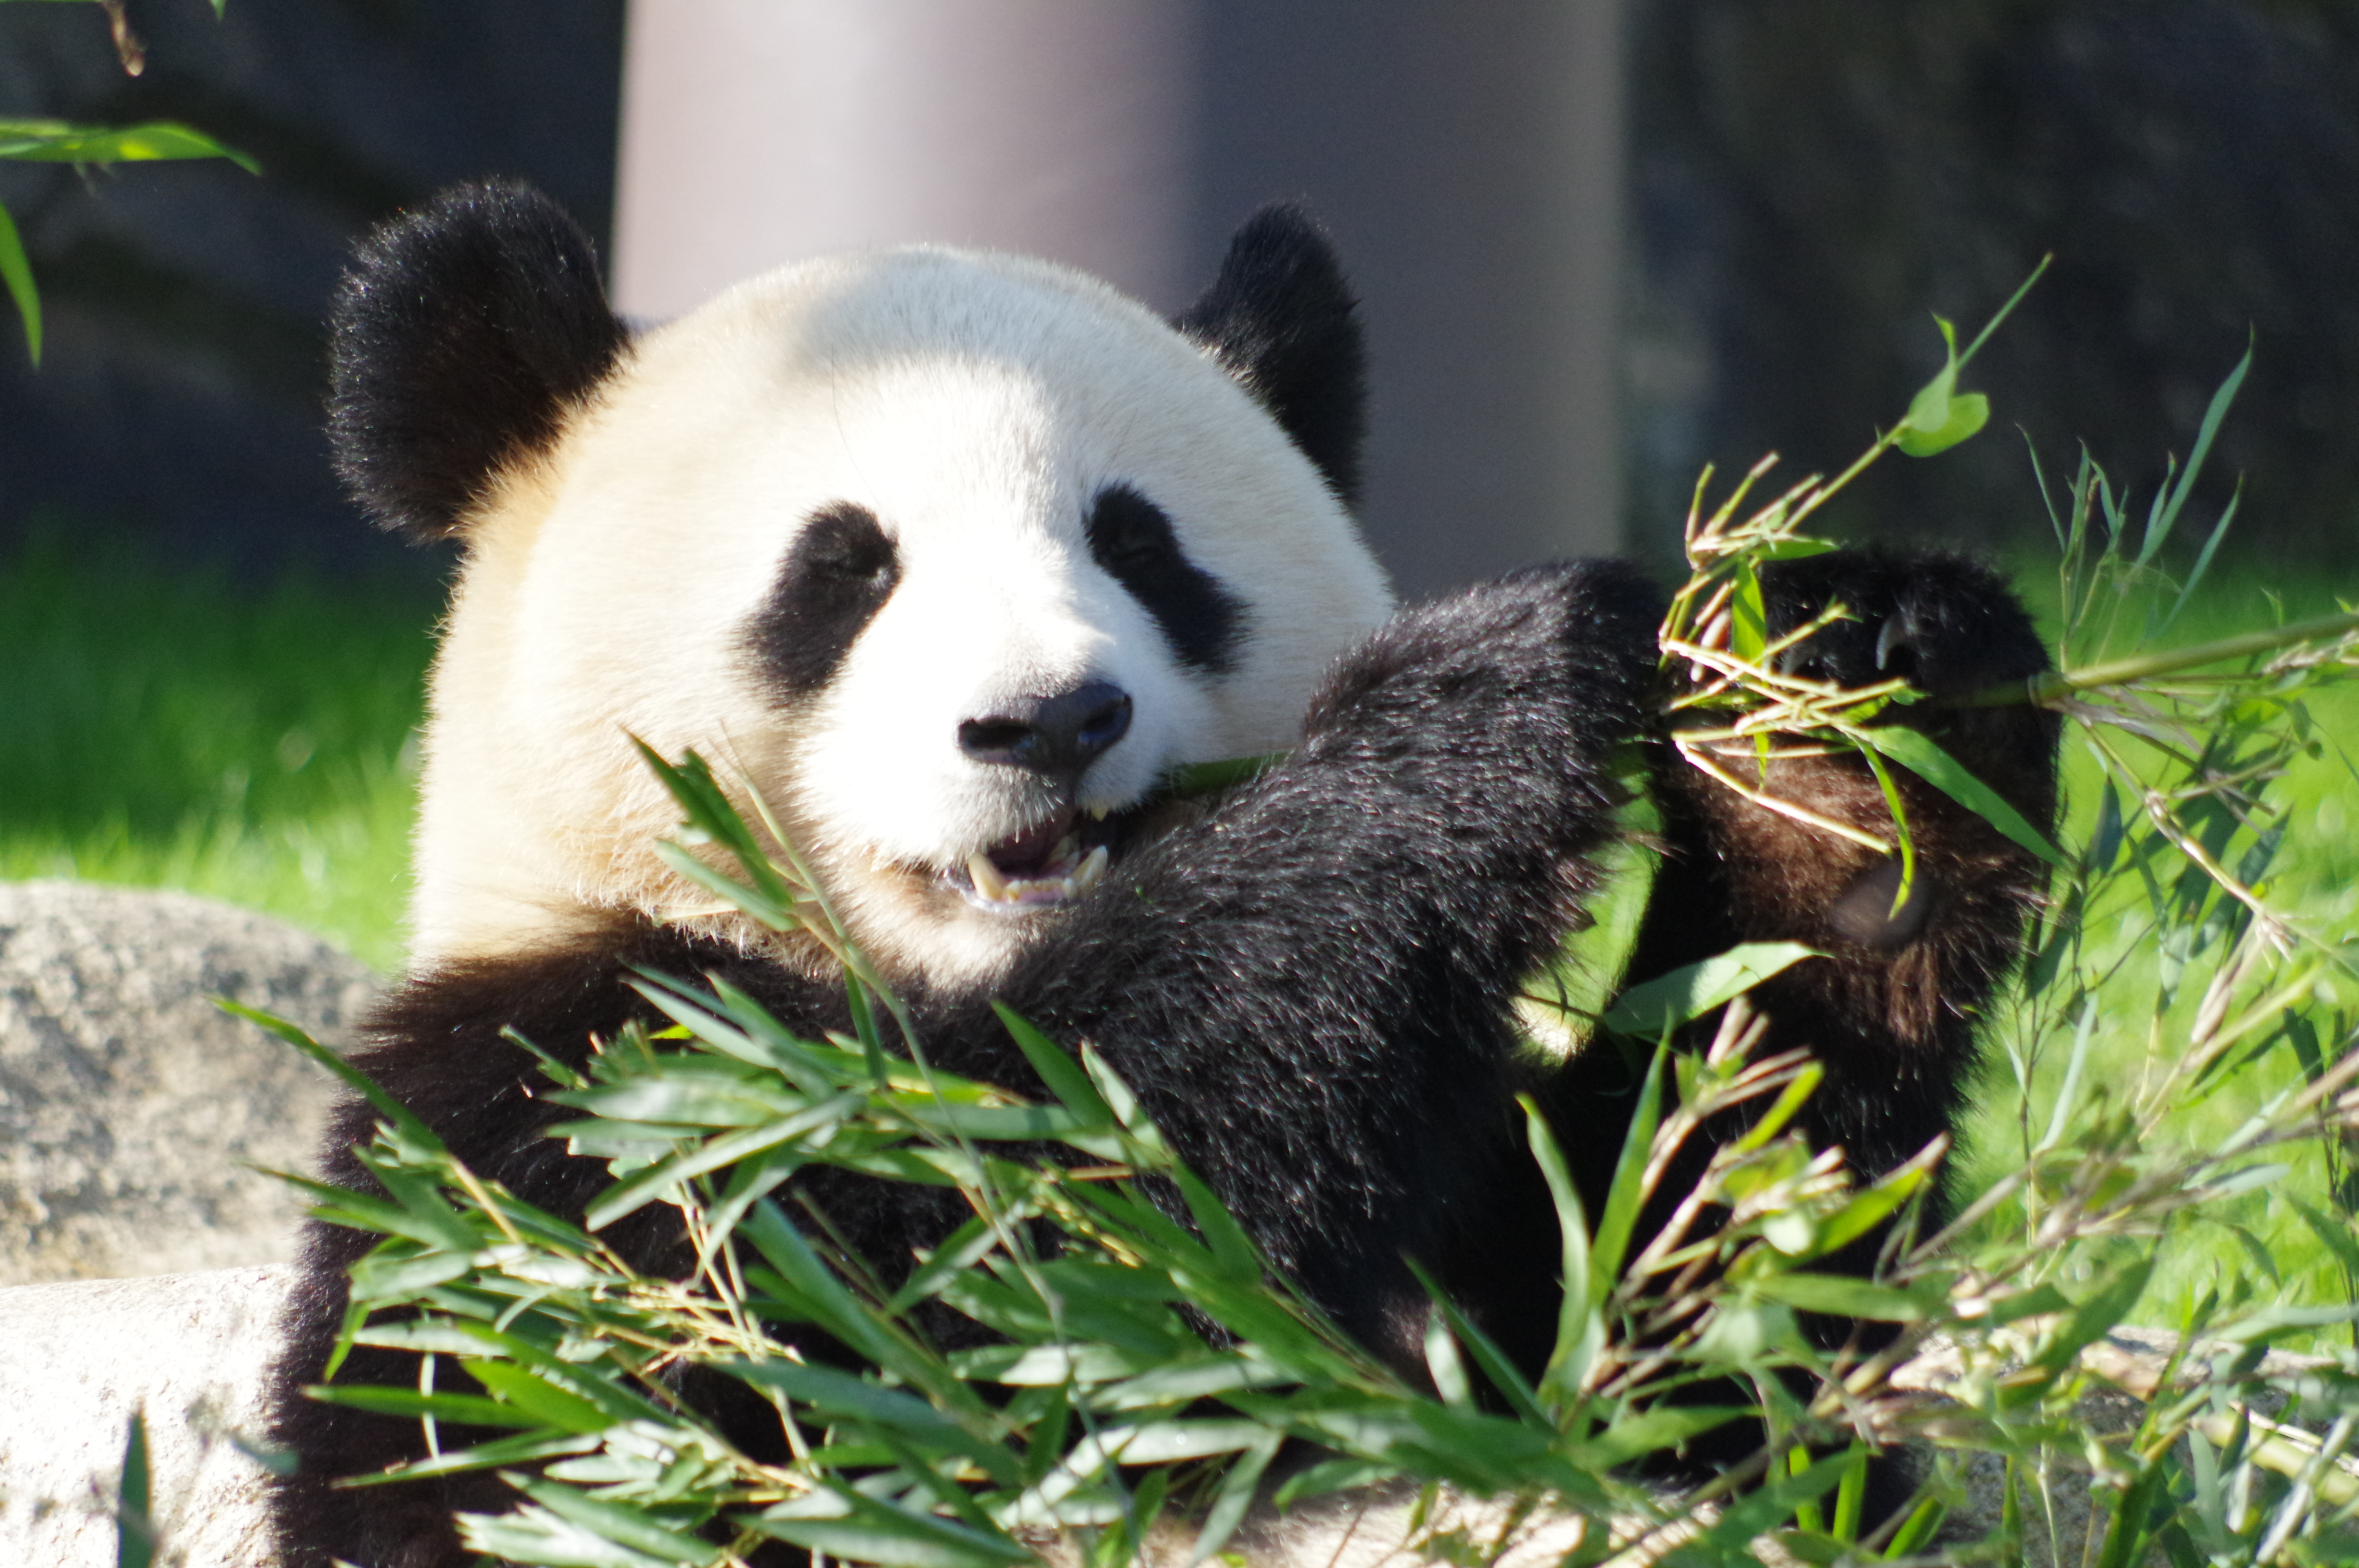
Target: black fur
{"points": [[1131, 539], [463, 336], [839, 574], [1280, 318]]}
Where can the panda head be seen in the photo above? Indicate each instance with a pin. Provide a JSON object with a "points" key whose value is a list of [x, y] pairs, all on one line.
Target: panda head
{"points": [[946, 556]]}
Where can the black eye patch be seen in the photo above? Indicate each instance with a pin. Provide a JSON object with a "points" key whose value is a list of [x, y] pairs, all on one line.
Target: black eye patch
{"points": [[1131, 540], [838, 576]]}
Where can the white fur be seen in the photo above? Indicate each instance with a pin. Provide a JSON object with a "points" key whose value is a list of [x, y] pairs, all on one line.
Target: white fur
{"points": [[975, 404]]}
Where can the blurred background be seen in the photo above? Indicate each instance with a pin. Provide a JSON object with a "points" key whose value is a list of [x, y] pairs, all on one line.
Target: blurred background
{"points": [[1601, 242]]}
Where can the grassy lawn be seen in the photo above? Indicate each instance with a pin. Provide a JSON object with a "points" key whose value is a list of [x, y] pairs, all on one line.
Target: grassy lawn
{"points": [[2314, 879], [166, 729]]}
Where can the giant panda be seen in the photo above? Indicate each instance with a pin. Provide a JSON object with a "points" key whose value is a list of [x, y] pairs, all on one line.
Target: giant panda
{"points": [[953, 555]]}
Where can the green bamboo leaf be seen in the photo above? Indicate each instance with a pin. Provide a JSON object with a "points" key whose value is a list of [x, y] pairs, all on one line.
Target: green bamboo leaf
{"points": [[1627, 1195], [1922, 1521], [1756, 1514], [1178, 1384], [1921, 755], [845, 1394], [420, 1197], [748, 1032], [1192, 779], [2097, 1316], [1048, 1366], [1058, 1070], [1940, 416], [1795, 547], [864, 1530], [54, 141], [473, 1341], [2332, 1234], [17, 272], [1748, 631], [1929, 410], [1871, 1208], [991, 1123], [1581, 1327], [1235, 1496], [378, 1278], [402, 1118], [1650, 1430], [1227, 1239], [1520, 1395], [543, 1400], [519, 1449], [1168, 1442], [959, 1250], [558, 1538], [709, 811], [1443, 1362], [466, 1409], [635, 1191], [619, 1523], [1838, 1296], [684, 1097], [1964, 416], [1693, 990], [135, 1531], [1788, 1104], [1330, 1475], [2169, 501]]}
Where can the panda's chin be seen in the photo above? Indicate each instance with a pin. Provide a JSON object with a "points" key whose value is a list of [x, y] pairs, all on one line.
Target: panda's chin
{"points": [[1047, 866]]}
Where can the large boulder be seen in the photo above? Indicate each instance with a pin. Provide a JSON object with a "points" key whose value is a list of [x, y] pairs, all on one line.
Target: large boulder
{"points": [[131, 1106], [187, 1352]]}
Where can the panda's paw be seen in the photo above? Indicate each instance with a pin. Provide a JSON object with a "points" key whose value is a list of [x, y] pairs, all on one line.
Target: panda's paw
{"points": [[1942, 622]]}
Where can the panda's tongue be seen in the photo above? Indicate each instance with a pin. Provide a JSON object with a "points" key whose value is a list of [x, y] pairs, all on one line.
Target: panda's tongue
{"points": [[1028, 853]]}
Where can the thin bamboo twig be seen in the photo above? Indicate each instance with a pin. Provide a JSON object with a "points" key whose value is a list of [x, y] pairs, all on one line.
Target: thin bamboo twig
{"points": [[2040, 691], [1767, 802]]}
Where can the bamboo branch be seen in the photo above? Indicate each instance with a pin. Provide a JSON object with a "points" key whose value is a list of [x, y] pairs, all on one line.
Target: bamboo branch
{"points": [[2041, 691]]}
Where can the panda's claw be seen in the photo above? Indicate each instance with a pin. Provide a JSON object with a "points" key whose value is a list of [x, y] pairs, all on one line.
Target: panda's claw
{"points": [[1899, 634]]}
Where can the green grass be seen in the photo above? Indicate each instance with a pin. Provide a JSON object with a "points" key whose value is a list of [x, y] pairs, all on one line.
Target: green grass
{"points": [[2314, 879], [164, 729]]}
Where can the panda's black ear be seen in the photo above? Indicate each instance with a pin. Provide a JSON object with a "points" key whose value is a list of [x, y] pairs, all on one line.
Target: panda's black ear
{"points": [[464, 333], [1282, 320]]}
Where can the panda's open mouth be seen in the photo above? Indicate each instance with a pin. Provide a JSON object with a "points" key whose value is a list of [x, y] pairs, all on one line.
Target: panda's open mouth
{"points": [[1052, 862]]}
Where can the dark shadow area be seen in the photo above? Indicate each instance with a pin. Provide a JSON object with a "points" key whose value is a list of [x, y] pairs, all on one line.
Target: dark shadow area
{"points": [[1811, 178], [178, 404]]}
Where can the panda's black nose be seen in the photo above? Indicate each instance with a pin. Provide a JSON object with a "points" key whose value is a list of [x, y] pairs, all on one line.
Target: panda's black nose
{"points": [[1057, 737]]}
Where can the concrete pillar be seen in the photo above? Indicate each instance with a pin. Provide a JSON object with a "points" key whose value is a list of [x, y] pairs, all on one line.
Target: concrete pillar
{"points": [[1468, 157], [756, 131]]}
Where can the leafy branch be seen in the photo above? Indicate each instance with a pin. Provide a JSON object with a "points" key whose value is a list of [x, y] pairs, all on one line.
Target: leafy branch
{"points": [[54, 141]]}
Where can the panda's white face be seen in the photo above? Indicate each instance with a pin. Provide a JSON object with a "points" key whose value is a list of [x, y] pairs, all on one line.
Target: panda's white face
{"points": [[949, 556]]}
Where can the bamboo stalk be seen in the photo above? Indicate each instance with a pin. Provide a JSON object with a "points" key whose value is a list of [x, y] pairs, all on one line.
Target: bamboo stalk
{"points": [[2042, 690]]}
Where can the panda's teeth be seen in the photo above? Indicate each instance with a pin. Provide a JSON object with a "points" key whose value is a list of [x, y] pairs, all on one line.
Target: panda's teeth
{"points": [[1100, 813], [1067, 848], [987, 880], [1089, 873]]}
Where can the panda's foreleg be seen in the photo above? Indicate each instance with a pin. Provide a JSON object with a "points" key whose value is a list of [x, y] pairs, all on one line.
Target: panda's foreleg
{"points": [[1312, 988], [1890, 1011]]}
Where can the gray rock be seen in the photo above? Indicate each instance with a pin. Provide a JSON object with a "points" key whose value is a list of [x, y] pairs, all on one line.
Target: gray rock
{"points": [[77, 1360], [131, 1106]]}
